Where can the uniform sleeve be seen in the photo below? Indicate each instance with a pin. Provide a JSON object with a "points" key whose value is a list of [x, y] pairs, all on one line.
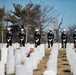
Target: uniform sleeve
{"points": [[25, 35], [19, 35], [40, 36], [61, 35], [34, 35], [11, 35], [53, 35], [73, 36], [6, 36], [67, 36], [47, 36]]}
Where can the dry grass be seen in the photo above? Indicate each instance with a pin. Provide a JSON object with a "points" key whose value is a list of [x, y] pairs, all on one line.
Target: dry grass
{"points": [[0, 55], [63, 64], [42, 65], [63, 67]]}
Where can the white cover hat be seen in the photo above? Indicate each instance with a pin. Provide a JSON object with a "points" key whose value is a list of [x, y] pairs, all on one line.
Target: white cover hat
{"points": [[75, 29], [37, 29], [50, 29], [64, 29], [8, 28], [22, 29]]}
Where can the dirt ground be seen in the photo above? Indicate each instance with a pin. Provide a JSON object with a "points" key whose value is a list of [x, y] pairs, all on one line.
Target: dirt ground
{"points": [[63, 67]]}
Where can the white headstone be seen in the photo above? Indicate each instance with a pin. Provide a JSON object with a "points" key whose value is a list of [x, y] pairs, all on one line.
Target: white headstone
{"points": [[49, 72], [4, 53], [10, 51], [74, 66], [17, 45], [2, 70], [32, 45], [10, 65], [4, 45], [28, 66], [17, 57], [20, 70], [23, 53], [52, 65]]}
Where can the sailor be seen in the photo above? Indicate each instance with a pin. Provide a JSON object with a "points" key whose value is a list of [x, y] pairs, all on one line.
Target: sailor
{"points": [[74, 38], [9, 37], [64, 38], [22, 37], [37, 38], [50, 37]]}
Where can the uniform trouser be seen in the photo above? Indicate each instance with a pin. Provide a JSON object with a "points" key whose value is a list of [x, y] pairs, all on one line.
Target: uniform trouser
{"points": [[63, 44], [9, 43], [74, 44], [37, 43], [22, 43], [50, 43]]}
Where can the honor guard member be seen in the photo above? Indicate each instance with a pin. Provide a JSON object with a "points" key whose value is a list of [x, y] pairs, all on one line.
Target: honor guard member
{"points": [[22, 37], [50, 37], [64, 38], [74, 38], [9, 37], [37, 37]]}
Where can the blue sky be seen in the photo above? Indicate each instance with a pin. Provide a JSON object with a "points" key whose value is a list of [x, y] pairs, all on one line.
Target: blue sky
{"points": [[67, 6]]}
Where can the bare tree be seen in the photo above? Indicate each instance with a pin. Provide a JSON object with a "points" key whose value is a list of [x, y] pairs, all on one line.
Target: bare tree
{"points": [[33, 16], [70, 32], [2, 15]]}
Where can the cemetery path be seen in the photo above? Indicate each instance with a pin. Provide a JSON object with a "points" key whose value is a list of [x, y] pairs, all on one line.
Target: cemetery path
{"points": [[63, 67]]}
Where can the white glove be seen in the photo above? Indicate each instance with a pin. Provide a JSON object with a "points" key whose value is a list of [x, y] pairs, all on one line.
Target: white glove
{"points": [[37, 40], [8, 40], [64, 40], [21, 39], [51, 39]]}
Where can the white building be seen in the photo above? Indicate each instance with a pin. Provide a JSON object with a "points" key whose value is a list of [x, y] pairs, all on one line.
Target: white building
{"points": [[55, 28]]}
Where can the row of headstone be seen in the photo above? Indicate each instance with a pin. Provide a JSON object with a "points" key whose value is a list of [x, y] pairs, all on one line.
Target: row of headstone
{"points": [[71, 56], [52, 61], [59, 45], [15, 59], [5, 52], [9, 57], [3, 58], [31, 63], [14, 45]]}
